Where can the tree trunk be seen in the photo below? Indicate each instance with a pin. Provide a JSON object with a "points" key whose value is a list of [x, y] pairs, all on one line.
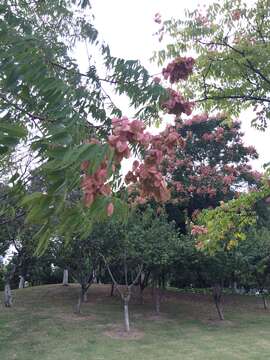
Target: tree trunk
{"points": [[85, 297], [126, 314], [80, 300], [112, 289], [7, 295], [94, 277], [157, 300], [65, 277], [141, 294], [217, 293], [78, 306], [265, 305], [153, 290], [22, 282]]}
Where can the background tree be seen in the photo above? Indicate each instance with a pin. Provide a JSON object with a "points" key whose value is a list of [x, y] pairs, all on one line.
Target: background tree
{"points": [[212, 165], [158, 242], [80, 256], [119, 248], [255, 254]]}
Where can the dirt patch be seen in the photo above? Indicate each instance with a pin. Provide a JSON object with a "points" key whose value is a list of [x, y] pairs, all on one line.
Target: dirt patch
{"points": [[118, 332], [75, 317]]}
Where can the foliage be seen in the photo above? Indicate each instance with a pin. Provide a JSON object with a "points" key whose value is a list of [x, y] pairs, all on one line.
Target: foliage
{"points": [[53, 110], [211, 165], [223, 227], [231, 43], [254, 252], [155, 239]]}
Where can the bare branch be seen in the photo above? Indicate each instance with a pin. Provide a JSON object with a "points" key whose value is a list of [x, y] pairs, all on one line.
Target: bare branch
{"points": [[137, 277], [111, 275]]}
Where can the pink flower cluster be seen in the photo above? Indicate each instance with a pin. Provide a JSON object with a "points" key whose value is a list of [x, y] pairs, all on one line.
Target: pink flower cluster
{"points": [[148, 174], [125, 132], [179, 69], [197, 119], [198, 230], [176, 104], [217, 135], [150, 181], [236, 14], [95, 184]]}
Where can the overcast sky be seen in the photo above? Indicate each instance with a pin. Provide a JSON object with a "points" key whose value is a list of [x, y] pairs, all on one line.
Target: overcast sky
{"points": [[128, 27]]}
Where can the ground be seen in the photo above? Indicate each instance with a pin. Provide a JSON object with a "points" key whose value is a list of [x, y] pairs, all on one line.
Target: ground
{"points": [[41, 325]]}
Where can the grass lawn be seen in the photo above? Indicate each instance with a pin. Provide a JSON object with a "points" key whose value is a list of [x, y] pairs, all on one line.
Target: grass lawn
{"points": [[41, 325]]}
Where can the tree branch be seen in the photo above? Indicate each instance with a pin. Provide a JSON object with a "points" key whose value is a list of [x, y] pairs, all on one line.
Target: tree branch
{"points": [[234, 97]]}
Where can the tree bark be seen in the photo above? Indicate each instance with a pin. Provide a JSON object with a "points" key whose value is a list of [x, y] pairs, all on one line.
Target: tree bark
{"points": [[81, 299], [141, 300], [265, 305], [217, 293], [112, 289], [21, 282], [65, 277], [78, 306], [7, 295], [235, 288], [126, 314], [141, 287], [94, 277], [85, 297], [157, 300], [143, 282]]}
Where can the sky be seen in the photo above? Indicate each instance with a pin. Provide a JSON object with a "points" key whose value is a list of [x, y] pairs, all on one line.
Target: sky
{"points": [[128, 27]]}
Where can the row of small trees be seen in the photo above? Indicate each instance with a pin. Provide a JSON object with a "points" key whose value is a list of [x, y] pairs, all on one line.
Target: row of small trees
{"points": [[146, 250]]}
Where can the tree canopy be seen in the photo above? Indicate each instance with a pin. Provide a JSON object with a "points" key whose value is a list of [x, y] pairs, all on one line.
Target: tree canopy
{"points": [[230, 40]]}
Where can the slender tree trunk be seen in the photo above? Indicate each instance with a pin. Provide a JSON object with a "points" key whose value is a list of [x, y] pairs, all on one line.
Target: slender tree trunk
{"points": [[7, 295], [65, 277], [94, 277], [99, 274], [141, 294], [157, 299], [217, 293], [80, 300], [21, 282], [85, 297], [143, 284], [78, 306], [235, 288], [265, 305], [126, 315], [112, 289], [153, 289]]}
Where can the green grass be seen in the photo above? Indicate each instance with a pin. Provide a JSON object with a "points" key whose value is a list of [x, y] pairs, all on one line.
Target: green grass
{"points": [[41, 325]]}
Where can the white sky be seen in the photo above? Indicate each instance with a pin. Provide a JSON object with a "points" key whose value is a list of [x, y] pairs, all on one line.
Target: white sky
{"points": [[128, 27]]}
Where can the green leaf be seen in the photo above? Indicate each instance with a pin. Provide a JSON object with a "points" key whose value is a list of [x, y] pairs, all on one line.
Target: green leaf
{"points": [[14, 130]]}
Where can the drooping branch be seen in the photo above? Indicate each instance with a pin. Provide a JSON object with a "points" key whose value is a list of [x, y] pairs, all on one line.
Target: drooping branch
{"points": [[19, 108]]}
